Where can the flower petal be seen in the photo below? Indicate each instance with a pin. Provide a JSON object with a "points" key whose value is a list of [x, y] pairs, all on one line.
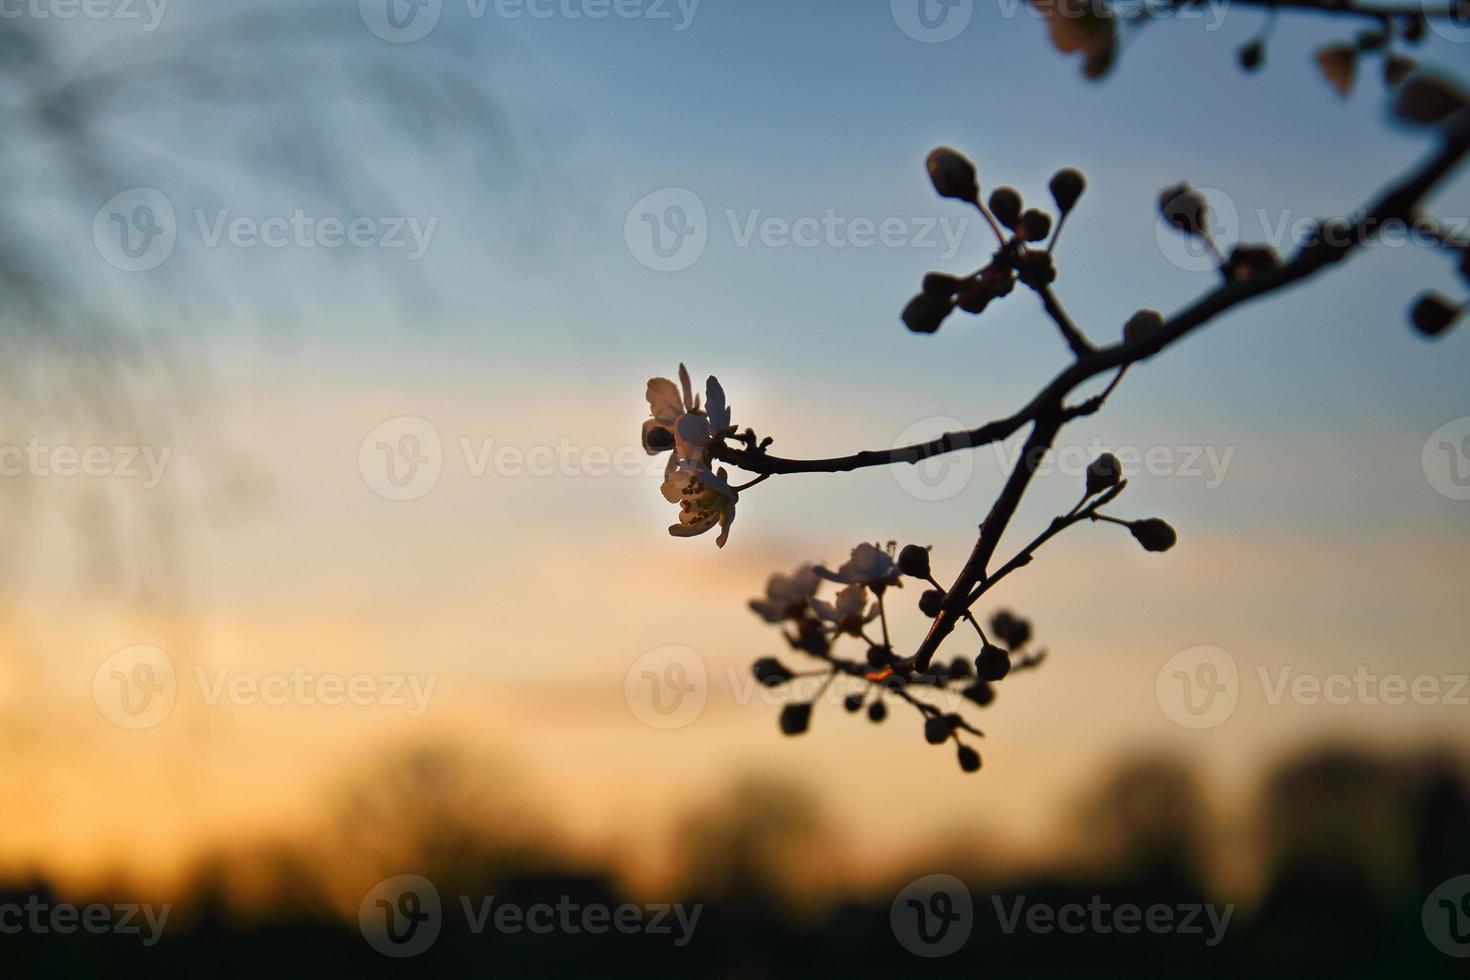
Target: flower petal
{"points": [[663, 400], [714, 404], [688, 388], [666, 440]]}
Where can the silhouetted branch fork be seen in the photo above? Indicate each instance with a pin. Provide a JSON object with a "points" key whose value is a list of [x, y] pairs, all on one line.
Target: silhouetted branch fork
{"points": [[1398, 203]]}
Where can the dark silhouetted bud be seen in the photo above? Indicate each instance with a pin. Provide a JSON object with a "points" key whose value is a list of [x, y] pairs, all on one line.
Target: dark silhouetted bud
{"points": [[937, 728], [930, 602], [1003, 622], [1066, 187], [1102, 473], [879, 657], [980, 692], [1433, 314], [953, 175], [1141, 324], [852, 702], [1413, 30], [810, 638], [926, 312], [1035, 225], [1251, 54], [770, 671], [1154, 534], [1427, 100], [993, 663], [1005, 204], [1017, 633], [969, 759], [1036, 269], [795, 718], [1396, 68], [1098, 63], [1371, 40], [960, 668], [1249, 260], [877, 711], [1338, 63], [1185, 209], [942, 284], [660, 439], [914, 561]]}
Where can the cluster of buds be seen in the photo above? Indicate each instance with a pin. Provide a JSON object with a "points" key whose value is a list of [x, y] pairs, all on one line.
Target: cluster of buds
{"points": [[858, 613], [1338, 62], [1020, 233]]}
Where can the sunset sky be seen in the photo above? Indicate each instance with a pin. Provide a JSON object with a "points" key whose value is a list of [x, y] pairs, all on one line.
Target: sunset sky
{"points": [[1310, 537]]}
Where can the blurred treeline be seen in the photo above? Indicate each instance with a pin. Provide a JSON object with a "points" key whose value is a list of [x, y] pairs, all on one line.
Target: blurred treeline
{"points": [[1343, 844]]}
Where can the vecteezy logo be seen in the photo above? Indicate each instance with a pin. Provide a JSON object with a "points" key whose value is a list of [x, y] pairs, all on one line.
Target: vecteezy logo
{"points": [[400, 21], [136, 687], [1446, 917], [667, 687], [1198, 687], [402, 458], [932, 21], [1455, 27], [932, 916], [401, 916], [937, 477], [1446, 459], [136, 230], [667, 230]]}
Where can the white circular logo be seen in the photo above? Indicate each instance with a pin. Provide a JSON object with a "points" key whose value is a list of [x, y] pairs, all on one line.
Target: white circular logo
{"points": [[938, 477], [402, 458], [400, 21], [401, 916], [1446, 917], [1455, 27], [667, 230], [1198, 687], [136, 230], [932, 21], [1446, 459], [136, 687], [1190, 252], [932, 916], [667, 687]]}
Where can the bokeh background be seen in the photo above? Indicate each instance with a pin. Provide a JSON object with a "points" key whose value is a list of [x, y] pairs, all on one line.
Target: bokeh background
{"points": [[519, 592]]}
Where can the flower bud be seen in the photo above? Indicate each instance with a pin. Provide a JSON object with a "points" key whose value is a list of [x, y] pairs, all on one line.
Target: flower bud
{"points": [[1141, 324], [1427, 100], [770, 671], [1433, 314], [937, 728], [1185, 209], [993, 663], [877, 711], [1103, 473], [914, 561], [980, 692], [878, 657], [959, 668], [1005, 204], [930, 602], [1035, 225], [852, 702], [1066, 187], [942, 284], [1154, 534], [795, 718], [1251, 54], [1396, 68], [953, 175], [1249, 260], [969, 759], [1413, 30], [926, 312]]}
